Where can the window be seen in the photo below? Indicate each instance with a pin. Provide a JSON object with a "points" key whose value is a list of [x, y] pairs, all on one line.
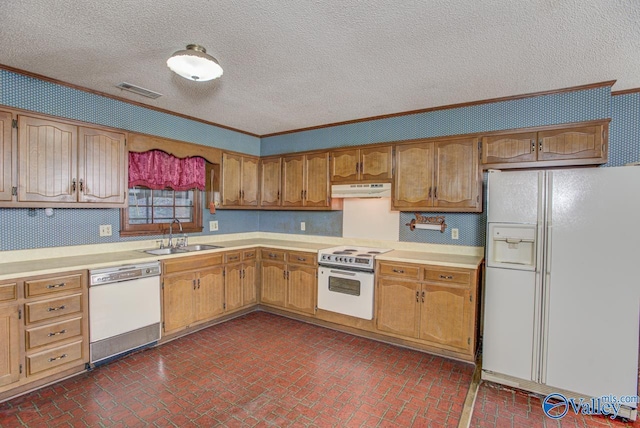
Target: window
{"points": [[151, 211]]}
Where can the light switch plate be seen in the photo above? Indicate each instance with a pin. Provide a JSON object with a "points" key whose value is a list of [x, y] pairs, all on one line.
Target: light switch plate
{"points": [[105, 230], [213, 225]]}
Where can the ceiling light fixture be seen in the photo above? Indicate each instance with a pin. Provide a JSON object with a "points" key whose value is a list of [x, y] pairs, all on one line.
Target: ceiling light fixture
{"points": [[195, 64]]}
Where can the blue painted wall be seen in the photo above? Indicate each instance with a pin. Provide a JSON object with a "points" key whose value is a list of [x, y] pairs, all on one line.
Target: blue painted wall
{"points": [[24, 228]]}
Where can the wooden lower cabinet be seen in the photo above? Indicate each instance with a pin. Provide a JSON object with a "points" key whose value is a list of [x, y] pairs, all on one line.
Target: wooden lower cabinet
{"points": [[240, 280], [289, 280], [429, 304], [192, 291], [43, 330], [10, 338]]}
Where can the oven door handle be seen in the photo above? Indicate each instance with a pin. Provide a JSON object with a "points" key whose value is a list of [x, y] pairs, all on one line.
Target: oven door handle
{"points": [[342, 272]]}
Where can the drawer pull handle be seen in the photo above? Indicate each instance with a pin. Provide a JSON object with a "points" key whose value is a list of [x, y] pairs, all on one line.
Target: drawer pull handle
{"points": [[422, 296], [233, 258], [417, 296], [56, 309], [446, 276], [62, 284], [57, 333], [302, 259], [272, 256], [398, 270], [58, 358]]}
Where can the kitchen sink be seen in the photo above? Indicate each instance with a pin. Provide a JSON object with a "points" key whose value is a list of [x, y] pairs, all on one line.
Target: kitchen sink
{"points": [[187, 249], [165, 251], [199, 247]]}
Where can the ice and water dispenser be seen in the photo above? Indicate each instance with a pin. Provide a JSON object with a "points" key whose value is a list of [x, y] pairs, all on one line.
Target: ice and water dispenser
{"points": [[512, 246]]}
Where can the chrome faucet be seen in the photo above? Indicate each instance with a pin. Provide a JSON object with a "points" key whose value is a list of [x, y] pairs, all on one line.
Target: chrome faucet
{"points": [[175, 220]]}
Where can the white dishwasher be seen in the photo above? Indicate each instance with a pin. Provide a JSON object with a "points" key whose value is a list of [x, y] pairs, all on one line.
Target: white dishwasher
{"points": [[124, 310]]}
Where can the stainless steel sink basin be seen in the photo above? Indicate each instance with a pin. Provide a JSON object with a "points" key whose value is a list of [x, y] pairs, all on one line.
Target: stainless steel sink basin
{"points": [[165, 251], [187, 249], [199, 247]]}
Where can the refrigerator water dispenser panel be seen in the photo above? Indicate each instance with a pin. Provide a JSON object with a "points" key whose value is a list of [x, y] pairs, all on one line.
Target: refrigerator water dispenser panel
{"points": [[512, 246]]}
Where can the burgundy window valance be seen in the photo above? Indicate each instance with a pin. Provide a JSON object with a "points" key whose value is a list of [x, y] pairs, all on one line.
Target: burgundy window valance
{"points": [[158, 170]]}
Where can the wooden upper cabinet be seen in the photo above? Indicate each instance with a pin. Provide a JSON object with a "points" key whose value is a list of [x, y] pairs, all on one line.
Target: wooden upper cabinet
{"points": [[575, 143], [102, 166], [48, 155], [270, 169], [438, 176], [305, 180], [457, 179], [6, 156], [239, 180], [559, 145], [509, 148], [316, 191], [413, 187], [366, 164]]}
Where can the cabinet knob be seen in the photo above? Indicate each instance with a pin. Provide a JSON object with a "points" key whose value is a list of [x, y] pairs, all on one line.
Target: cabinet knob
{"points": [[417, 296]]}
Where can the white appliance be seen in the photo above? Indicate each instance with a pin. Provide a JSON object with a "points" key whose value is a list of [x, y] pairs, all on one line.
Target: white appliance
{"points": [[361, 190], [124, 310], [346, 280], [562, 295]]}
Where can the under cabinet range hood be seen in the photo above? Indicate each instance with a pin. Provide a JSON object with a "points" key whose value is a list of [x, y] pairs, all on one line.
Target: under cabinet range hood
{"points": [[364, 190]]}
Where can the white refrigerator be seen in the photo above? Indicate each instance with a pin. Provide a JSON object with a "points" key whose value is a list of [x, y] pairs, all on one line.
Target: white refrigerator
{"points": [[562, 286]]}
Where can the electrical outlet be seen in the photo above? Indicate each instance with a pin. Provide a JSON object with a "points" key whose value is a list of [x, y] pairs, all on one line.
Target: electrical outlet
{"points": [[105, 230], [303, 226], [454, 234], [213, 225]]}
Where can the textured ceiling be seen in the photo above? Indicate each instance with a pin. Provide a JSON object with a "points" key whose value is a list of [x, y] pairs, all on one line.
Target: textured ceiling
{"points": [[295, 64]]}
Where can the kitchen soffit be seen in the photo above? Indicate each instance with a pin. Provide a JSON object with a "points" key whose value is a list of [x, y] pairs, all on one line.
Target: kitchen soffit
{"points": [[302, 64]]}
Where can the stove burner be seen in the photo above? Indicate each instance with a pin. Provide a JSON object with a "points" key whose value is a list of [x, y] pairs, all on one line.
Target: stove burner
{"points": [[373, 252], [341, 252], [351, 250]]}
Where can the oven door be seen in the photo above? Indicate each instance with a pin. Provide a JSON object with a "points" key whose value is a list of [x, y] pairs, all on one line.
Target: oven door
{"points": [[346, 292]]}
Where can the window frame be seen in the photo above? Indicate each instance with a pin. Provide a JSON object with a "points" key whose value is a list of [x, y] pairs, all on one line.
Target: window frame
{"points": [[127, 229]]}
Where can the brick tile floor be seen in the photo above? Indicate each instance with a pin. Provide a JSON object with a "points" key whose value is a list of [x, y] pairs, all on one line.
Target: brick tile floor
{"points": [[499, 406], [257, 370]]}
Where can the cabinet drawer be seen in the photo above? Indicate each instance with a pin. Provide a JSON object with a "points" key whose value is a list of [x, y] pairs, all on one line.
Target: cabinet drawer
{"points": [[53, 358], [8, 292], [53, 332], [47, 309], [301, 258], [398, 270], [52, 285], [232, 257], [191, 263], [249, 254], [446, 275], [274, 255]]}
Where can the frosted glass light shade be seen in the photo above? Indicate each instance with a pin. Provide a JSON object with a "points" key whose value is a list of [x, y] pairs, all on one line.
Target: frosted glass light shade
{"points": [[194, 63]]}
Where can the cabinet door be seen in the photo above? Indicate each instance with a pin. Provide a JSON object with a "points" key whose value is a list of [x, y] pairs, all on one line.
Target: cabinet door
{"points": [[250, 182], [177, 301], [102, 166], [316, 190], [48, 154], [345, 165], [445, 318], [270, 182], [509, 148], [10, 338], [249, 292], [209, 293], [302, 288], [292, 181], [457, 175], [231, 179], [6, 162], [573, 143], [398, 306], [413, 184], [233, 287], [375, 163], [274, 284]]}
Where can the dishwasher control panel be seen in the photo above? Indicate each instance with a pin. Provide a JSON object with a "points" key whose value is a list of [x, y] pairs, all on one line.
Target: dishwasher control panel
{"points": [[123, 273]]}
